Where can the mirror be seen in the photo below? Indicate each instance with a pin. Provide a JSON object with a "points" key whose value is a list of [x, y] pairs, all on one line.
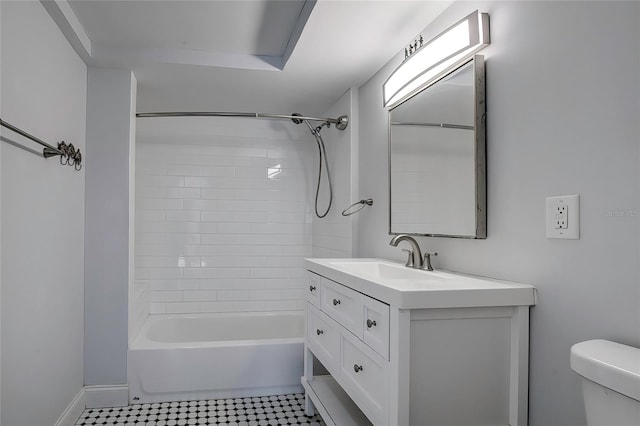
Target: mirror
{"points": [[437, 158]]}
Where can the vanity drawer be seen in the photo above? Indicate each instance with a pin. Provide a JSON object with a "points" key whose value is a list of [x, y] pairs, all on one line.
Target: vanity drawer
{"points": [[364, 376], [323, 338], [376, 326], [343, 305], [312, 288]]}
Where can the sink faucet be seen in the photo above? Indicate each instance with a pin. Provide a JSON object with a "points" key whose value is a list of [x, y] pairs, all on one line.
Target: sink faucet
{"points": [[415, 255], [415, 259]]}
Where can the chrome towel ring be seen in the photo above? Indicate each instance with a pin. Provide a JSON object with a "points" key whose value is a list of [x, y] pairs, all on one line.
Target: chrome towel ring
{"points": [[362, 204]]}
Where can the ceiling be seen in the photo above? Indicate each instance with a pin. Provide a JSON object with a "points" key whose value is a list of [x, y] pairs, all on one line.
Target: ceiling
{"points": [[243, 55]]}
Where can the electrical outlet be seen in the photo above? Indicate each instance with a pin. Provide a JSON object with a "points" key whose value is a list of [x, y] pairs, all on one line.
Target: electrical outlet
{"points": [[563, 217]]}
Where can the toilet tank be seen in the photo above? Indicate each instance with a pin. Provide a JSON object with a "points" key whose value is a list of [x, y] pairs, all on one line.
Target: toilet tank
{"points": [[611, 382]]}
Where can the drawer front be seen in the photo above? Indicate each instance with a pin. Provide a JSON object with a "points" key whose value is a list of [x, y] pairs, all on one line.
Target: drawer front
{"points": [[323, 338], [365, 378], [376, 326], [343, 305], [312, 288]]}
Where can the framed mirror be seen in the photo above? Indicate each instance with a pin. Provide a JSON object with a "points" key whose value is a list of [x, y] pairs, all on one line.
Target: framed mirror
{"points": [[437, 158]]}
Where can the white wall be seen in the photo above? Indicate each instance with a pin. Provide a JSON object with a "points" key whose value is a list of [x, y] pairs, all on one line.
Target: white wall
{"points": [[214, 232], [332, 235], [43, 92], [139, 295], [563, 100], [1, 240], [110, 110]]}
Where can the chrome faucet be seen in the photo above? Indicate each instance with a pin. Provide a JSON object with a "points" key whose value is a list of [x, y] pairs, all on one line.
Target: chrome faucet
{"points": [[415, 255], [415, 259]]}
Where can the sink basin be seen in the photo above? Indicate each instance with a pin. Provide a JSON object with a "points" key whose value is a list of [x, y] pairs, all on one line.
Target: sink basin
{"points": [[380, 270], [410, 288]]}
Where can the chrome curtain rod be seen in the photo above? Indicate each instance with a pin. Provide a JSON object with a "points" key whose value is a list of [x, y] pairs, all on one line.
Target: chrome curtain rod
{"points": [[49, 151], [68, 154], [340, 122], [443, 125]]}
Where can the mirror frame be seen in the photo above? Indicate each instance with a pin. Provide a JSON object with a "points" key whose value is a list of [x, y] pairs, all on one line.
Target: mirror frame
{"points": [[480, 151]]}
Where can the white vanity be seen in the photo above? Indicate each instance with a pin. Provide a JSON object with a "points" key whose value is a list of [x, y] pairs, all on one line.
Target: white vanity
{"points": [[412, 347]]}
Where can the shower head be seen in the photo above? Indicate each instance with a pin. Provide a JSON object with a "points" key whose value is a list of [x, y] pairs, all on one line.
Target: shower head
{"points": [[296, 120], [341, 122], [305, 120]]}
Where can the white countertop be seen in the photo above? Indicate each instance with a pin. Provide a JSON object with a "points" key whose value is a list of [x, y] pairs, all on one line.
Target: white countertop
{"points": [[408, 288]]}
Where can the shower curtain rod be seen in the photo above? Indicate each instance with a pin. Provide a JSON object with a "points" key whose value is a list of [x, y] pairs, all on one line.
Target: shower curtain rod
{"points": [[47, 152], [69, 155], [340, 122]]}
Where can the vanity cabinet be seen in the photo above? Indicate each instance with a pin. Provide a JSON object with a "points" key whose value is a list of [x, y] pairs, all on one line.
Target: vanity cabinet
{"points": [[403, 359]]}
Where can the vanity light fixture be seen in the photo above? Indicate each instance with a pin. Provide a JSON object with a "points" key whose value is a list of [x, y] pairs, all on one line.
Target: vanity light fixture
{"points": [[436, 58]]}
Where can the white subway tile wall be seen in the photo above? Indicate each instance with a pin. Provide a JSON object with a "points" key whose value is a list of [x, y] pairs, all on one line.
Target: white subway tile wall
{"points": [[223, 213], [333, 235]]}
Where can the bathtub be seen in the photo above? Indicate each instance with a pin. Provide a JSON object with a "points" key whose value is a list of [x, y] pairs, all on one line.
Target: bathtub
{"points": [[216, 356]]}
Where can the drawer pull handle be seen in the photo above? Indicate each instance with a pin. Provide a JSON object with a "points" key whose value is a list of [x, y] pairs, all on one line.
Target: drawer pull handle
{"points": [[336, 302], [357, 368], [319, 332], [370, 323], [312, 288]]}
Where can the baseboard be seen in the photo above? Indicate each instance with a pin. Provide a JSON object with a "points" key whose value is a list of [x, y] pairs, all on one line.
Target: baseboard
{"points": [[73, 410], [106, 396]]}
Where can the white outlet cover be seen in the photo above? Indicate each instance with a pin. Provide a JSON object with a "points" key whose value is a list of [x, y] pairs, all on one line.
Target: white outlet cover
{"points": [[572, 204]]}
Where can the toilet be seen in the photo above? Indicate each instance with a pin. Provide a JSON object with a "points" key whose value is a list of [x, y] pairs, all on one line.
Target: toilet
{"points": [[610, 375]]}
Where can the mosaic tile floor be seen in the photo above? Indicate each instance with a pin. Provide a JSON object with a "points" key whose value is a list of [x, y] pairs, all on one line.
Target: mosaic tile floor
{"points": [[258, 411]]}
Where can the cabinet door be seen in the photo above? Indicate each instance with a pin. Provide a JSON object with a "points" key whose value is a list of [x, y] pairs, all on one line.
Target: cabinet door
{"points": [[323, 338], [376, 326], [312, 288], [343, 305], [364, 376]]}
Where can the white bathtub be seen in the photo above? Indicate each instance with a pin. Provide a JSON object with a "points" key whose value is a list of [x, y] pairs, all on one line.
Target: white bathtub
{"points": [[213, 356]]}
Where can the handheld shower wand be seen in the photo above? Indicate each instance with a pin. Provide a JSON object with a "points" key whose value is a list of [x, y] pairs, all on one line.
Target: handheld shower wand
{"points": [[322, 153]]}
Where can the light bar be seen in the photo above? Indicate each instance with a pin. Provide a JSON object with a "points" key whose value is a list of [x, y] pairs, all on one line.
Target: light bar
{"points": [[438, 57]]}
